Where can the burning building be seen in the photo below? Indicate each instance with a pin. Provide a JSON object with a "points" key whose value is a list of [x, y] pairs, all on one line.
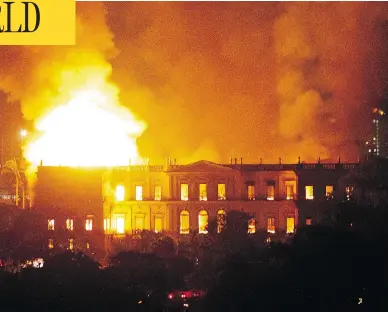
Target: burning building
{"points": [[178, 199]]}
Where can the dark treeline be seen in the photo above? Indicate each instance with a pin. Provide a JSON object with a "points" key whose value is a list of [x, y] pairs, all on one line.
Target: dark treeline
{"points": [[321, 268]]}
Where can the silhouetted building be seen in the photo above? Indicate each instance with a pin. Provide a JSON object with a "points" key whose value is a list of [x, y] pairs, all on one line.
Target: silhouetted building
{"points": [[179, 199], [378, 144]]}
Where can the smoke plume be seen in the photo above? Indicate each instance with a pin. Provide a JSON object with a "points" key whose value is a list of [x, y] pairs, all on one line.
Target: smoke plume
{"points": [[221, 80]]}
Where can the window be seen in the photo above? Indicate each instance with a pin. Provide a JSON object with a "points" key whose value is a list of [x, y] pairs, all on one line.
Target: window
{"points": [[251, 192], [139, 223], [290, 225], [106, 225], [120, 193], [50, 243], [184, 191], [349, 192], [309, 221], [221, 191], [252, 226], [158, 224], [71, 244], [309, 192], [184, 222], [70, 224], [202, 192], [87, 245], [158, 192], [271, 225], [120, 225], [329, 191], [289, 191], [139, 192], [51, 224], [221, 220], [89, 224], [202, 222], [271, 192]]}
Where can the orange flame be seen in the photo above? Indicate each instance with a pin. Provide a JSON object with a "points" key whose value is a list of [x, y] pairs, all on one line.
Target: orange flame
{"points": [[91, 129]]}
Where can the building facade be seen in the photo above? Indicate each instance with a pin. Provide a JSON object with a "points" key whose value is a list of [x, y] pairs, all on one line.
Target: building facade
{"points": [[178, 199], [378, 144]]}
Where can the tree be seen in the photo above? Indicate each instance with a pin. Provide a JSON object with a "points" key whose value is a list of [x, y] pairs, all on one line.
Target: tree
{"points": [[164, 247], [370, 182], [26, 239]]}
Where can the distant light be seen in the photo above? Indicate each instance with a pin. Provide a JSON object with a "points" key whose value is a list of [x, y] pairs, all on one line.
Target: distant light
{"points": [[170, 296], [23, 132], [140, 302]]}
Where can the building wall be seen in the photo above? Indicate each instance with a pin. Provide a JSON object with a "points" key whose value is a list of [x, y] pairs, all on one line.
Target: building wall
{"points": [[81, 193], [64, 194]]}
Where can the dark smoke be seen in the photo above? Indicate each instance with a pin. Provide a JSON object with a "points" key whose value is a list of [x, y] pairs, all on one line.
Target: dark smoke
{"points": [[221, 80]]}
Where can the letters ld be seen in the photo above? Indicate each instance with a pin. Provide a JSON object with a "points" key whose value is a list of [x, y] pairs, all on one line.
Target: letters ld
{"points": [[8, 27]]}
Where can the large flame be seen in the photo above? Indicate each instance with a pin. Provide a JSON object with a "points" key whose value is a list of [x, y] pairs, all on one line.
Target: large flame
{"points": [[91, 129]]}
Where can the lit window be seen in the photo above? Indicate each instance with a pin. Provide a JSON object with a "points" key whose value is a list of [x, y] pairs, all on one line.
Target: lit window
{"points": [[89, 224], [289, 191], [184, 222], [202, 222], [158, 224], [139, 192], [251, 192], [290, 225], [120, 193], [271, 225], [349, 192], [252, 226], [309, 221], [106, 225], [71, 244], [221, 220], [309, 192], [50, 243], [221, 192], [270, 192], [51, 224], [329, 191], [184, 191], [69, 224], [120, 225], [139, 223], [87, 245], [202, 192], [158, 192]]}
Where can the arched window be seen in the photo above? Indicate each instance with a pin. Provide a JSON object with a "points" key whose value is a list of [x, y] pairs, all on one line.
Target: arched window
{"points": [[203, 222], [221, 220], [184, 222]]}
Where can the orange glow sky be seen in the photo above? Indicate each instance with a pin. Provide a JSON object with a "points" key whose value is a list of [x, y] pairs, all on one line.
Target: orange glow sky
{"points": [[220, 80]]}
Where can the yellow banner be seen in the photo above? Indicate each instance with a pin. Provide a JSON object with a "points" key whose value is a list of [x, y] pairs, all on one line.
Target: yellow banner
{"points": [[37, 22]]}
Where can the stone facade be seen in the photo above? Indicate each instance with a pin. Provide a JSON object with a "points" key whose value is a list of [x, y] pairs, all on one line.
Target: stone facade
{"points": [[181, 198]]}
